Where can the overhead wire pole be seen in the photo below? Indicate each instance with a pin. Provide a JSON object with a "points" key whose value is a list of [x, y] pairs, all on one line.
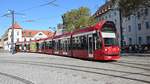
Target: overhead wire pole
{"points": [[12, 34], [12, 14]]}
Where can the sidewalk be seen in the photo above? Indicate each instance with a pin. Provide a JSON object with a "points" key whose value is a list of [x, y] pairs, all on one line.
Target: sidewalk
{"points": [[3, 51], [135, 54]]}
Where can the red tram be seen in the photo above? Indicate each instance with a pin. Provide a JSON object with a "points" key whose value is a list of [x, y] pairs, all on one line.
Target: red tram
{"points": [[98, 42]]}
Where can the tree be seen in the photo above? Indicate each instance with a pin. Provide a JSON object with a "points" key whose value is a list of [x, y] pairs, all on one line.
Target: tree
{"points": [[128, 7], [77, 18]]}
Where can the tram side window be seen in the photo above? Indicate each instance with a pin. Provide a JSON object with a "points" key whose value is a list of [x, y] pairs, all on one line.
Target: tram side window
{"points": [[77, 43], [55, 45], [73, 43], [83, 42], [46, 45], [69, 45], [40, 46], [59, 45], [43, 45], [50, 44], [97, 41], [64, 45]]}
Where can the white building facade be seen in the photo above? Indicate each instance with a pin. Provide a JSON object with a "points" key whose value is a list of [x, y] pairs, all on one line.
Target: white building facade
{"points": [[137, 28], [7, 37], [109, 12], [21, 35]]}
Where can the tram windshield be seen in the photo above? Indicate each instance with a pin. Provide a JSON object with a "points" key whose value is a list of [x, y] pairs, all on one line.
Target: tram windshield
{"points": [[109, 34], [109, 38], [110, 41]]}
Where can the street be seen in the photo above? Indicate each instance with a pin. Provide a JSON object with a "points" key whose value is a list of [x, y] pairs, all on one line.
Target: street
{"points": [[33, 68]]}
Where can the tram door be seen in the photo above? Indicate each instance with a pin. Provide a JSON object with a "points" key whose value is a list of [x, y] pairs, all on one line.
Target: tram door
{"points": [[90, 46]]}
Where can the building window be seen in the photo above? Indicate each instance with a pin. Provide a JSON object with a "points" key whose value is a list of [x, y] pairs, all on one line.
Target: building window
{"points": [[128, 17], [130, 41], [105, 17], [148, 39], [97, 19], [17, 33], [146, 11], [109, 15], [147, 25], [17, 39], [140, 40], [139, 26], [115, 21], [40, 34], [129, 27], [138, 15], [115, 13]]}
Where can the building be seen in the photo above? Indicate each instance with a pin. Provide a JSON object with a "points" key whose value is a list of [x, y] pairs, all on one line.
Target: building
{"points": [[1, 43], [60, 29], [21, 35], [28, 35], [137, 27], [7, 37], [109, 11]]}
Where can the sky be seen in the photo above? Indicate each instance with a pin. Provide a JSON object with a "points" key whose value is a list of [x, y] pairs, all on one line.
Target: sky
{"points": [[42, 17]]}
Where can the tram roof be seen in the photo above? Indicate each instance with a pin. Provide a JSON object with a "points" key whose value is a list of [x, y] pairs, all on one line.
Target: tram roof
{"points": [[63, 35], [97, 26]]}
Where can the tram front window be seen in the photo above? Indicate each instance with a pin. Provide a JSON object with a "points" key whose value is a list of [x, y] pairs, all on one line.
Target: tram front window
{"points": [[110, 41]]}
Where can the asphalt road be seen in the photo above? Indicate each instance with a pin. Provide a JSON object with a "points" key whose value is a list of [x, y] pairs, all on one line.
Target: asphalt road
{"points": [[32, 68]]}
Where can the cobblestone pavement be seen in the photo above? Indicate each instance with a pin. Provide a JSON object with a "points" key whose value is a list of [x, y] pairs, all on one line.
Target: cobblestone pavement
{"points": [[32, 68]]}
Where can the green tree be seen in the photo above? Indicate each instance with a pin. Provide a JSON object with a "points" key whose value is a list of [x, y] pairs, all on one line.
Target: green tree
{"points": [[78, 18], [128, 7]]}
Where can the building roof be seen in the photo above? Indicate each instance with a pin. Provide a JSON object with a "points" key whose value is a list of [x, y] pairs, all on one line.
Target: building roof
{"points": [[16, 26], [104, 8], [31, 33]]}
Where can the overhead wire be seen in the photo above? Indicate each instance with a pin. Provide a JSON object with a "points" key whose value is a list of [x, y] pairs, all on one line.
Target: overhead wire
{"points": [[48, 3], [38, 6]]}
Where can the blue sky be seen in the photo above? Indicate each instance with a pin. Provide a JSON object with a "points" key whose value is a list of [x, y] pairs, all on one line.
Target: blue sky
{"points": [[45, 16]]}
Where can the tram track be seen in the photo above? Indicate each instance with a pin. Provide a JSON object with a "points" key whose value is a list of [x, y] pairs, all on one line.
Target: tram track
{"points": [[121, 63], [81, 68], [130, 62], [24, 81], [131, 65]]}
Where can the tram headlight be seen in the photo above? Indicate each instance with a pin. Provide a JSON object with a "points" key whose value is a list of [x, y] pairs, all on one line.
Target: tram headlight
{"points": [[118, 49], [106, 49]]}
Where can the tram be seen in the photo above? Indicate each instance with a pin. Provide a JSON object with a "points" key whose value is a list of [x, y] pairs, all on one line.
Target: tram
{"points": [[98, 42]]}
